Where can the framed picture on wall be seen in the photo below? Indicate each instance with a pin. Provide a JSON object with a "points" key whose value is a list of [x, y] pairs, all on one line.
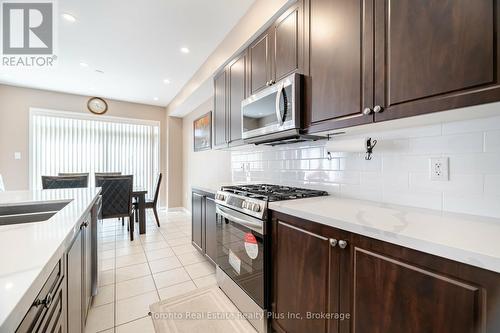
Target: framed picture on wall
{"points": [[202, 132]]}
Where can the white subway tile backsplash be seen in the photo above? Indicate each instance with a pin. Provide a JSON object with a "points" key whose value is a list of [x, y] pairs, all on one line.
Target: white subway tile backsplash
{"points": [[472, 204], [424, 199], [399, 170], [470, 184], [492, 185], [492, 141], [462, 143], [472, 125], [487, 163]]}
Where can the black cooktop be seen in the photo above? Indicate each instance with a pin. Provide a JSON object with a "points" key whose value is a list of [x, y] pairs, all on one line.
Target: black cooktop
{"points": [[273, 192]]}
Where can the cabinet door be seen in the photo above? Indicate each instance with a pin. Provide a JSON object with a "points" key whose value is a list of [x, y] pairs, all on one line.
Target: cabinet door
{"points": [[75, 285], [260, 62], [197, 219], [220, 114], [301, 278], [236, 94], [288, 43], [210, 229], [414, 299], [435, 55], [340, 82]]}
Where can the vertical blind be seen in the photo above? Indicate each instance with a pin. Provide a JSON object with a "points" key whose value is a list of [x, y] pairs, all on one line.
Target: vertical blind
{"points": [[62, 143]]}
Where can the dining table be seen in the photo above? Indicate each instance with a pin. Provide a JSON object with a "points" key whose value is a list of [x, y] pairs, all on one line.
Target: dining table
{"points": [[139, 193]]}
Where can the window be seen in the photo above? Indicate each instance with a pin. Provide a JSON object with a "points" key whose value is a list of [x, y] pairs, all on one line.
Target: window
{"points": [[73, 143]]}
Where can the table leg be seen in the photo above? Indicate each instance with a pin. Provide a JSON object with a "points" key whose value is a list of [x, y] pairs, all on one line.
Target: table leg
{"points": [[142, 213]]}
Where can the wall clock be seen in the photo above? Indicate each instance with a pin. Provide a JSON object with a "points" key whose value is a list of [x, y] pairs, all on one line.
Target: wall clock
{"points": [[97, 105]]}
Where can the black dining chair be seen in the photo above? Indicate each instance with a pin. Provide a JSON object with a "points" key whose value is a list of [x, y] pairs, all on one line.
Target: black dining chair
{"points": [[57, 182], [117, 198], [104, 174], [77, 174], [151, 203]]}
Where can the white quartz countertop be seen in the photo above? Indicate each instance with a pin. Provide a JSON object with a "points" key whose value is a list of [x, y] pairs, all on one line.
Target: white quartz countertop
{"points": [[469, 239], [30, 251]]}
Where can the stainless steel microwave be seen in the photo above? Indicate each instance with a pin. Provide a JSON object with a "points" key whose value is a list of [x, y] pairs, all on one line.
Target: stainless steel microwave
{"points": [[273, 114]]}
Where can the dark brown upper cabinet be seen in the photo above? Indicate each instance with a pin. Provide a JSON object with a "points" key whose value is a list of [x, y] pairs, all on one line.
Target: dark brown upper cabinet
{"points": [[259, 68], [220, 111], [340, 82], [375, 60], [237, 92], [279, 51], [435, 55], [230, 89]]}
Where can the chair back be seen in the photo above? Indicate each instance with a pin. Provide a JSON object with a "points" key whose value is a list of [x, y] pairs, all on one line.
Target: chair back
{"points": [[2, 186], [157, 188], [54, 182], [116, 195], [105, 174], [65, 174]]}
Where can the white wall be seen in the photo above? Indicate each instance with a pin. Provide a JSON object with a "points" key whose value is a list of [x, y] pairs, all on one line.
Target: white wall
{"points": [[399, 171], [205, 168]]}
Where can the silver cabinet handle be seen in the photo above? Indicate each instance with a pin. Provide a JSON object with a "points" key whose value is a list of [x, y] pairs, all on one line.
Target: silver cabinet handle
{"points": [[342, 244], [333, 242], [367, 111], [378, 109]]}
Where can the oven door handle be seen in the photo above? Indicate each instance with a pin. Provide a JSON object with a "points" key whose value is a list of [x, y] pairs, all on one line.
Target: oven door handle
{"points": [[241, 219]]}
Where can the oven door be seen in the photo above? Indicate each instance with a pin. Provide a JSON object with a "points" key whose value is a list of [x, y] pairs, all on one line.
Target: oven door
{"points": [[240, 251], [272, 110]]}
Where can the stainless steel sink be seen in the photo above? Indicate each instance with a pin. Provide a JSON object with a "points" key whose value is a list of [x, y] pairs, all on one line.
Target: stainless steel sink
{"points": [[27, 213]]}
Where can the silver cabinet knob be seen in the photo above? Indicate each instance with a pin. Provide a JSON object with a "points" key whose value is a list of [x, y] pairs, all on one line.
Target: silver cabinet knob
{"points": [[342, 244], [367, 111], [378, 109], [333, 242]]}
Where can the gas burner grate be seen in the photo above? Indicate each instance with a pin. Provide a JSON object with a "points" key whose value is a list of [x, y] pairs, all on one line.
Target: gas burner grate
{"points": [[273, 192]]}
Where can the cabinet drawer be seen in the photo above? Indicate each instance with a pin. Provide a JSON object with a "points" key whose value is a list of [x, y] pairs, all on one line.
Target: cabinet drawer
{"points": [[38, 310]]}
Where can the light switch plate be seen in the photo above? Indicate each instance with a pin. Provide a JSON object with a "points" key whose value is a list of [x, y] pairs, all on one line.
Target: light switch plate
{"points": [[439, 169], [17, 155]]}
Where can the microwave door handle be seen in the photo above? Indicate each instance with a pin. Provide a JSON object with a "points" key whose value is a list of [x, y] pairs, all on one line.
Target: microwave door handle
{"points": [[278, 99], [241, 221]]}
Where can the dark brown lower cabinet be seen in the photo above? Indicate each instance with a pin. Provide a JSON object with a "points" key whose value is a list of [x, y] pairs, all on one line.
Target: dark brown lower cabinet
{"points": [[344, 282], [203, 223]]}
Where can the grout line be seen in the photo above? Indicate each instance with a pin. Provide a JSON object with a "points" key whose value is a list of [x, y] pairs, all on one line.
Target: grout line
{"points": [[118, 236]]}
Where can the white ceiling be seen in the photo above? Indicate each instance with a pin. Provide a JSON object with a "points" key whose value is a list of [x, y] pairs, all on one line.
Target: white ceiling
{"points": [[135, 43]]}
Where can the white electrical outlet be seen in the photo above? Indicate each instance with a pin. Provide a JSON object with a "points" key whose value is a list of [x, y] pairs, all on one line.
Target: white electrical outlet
{"points": [[439, 169]]}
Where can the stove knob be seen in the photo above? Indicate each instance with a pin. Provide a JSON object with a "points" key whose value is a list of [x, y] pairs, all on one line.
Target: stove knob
{"points": [[255, 207], [244, 205], [220, 197]]}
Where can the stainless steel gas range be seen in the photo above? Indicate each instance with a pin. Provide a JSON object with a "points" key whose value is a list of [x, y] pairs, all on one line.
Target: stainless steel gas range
{"points": [[243, 249]]}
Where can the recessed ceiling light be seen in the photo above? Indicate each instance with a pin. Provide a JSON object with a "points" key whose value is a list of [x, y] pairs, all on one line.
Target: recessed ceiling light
{"points": [[166, 81], [184, 50], [84, 64], [156, 98], [69, 17]]}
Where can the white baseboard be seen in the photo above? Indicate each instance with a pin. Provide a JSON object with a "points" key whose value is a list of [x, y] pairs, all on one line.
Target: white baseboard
{"points": [[178, 210]]}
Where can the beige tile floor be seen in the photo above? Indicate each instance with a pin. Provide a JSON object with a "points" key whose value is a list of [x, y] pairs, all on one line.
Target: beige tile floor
{"points": [[155, 266]]}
